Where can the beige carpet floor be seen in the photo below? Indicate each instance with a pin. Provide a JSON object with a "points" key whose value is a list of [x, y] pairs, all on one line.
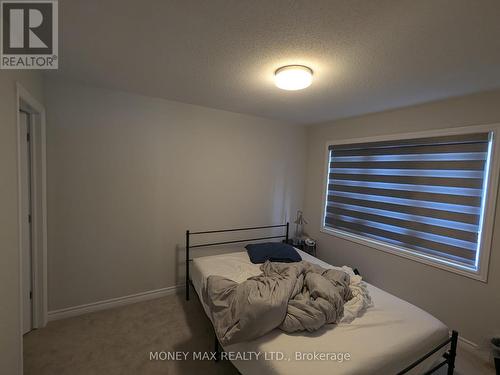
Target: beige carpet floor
{"points": [[119, 341]]}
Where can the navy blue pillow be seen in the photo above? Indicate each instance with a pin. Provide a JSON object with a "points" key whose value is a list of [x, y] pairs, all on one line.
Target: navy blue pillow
{"points": [[273, 251]]}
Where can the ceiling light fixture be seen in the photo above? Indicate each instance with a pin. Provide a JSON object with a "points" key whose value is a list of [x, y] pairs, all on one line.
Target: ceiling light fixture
{"points": [[293, 77]]}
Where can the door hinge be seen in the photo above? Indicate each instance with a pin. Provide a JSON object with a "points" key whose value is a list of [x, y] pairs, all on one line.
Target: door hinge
{"points": [[29, 219], [28, 138], [31, 294]]}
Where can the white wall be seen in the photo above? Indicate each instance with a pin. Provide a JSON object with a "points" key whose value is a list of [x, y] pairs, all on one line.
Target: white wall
{"points": [[127, 175], [10, 340], [470, 306]]}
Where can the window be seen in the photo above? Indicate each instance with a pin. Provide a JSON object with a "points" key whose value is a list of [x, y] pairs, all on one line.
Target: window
{"points": [[421, 197]]}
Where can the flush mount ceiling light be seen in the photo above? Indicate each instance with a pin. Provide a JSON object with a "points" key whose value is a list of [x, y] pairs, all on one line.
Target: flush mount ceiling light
{"points": [[293, 77]]}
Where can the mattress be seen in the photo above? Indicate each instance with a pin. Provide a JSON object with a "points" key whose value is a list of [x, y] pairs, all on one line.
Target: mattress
{"points": [[384, 340]]}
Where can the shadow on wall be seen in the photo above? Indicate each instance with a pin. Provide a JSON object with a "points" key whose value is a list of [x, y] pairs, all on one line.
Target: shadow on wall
{"points": [[180, 255], [180, 249], [180, 260]]}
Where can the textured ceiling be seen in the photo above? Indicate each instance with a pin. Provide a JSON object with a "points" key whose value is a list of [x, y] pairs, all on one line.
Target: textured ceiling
{"points": [[367, 55]]}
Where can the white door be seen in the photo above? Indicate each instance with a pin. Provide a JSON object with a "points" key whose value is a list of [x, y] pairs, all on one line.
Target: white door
{"points": [[26, 241]]}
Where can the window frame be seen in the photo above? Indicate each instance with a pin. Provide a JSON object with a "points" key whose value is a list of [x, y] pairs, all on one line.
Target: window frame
{"points": [[488, 215]]}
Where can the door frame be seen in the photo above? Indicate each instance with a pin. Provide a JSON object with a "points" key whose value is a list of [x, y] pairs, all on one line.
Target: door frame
{"points": [[26, 102]]}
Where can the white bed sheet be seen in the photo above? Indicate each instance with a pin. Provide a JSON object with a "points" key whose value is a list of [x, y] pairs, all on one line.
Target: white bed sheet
{"points": [[384, 340]]}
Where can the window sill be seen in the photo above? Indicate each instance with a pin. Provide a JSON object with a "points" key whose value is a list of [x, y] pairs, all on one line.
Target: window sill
{"points": [[405, 253]]}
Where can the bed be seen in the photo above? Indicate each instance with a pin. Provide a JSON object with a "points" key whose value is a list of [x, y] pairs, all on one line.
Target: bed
{"points": [[392, 337]]}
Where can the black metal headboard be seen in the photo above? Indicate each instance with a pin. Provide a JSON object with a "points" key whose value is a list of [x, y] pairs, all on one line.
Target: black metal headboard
{"points": [[189, 234]]}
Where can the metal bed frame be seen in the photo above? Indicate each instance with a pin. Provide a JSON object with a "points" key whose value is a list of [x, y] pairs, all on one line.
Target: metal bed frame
{"points": [[189, 247], [448, 357]]}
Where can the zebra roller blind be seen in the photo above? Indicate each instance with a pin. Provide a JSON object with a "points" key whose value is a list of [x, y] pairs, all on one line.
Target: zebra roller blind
{"points": [[423, 195]]}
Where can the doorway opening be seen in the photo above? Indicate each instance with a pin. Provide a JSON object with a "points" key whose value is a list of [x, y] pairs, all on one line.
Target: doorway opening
{"points": [[32, 208], [26, 218]]}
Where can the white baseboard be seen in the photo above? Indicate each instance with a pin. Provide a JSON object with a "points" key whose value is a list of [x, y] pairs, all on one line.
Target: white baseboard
{"points": [[468, 343], [480, 352], [113, 302]]}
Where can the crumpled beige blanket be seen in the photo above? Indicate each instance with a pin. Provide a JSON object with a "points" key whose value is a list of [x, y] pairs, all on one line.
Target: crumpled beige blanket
{"points": [[292, 296]]}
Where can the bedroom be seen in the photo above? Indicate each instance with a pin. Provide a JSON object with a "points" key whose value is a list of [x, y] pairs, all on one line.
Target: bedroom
{"points": [[165, 117]]}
